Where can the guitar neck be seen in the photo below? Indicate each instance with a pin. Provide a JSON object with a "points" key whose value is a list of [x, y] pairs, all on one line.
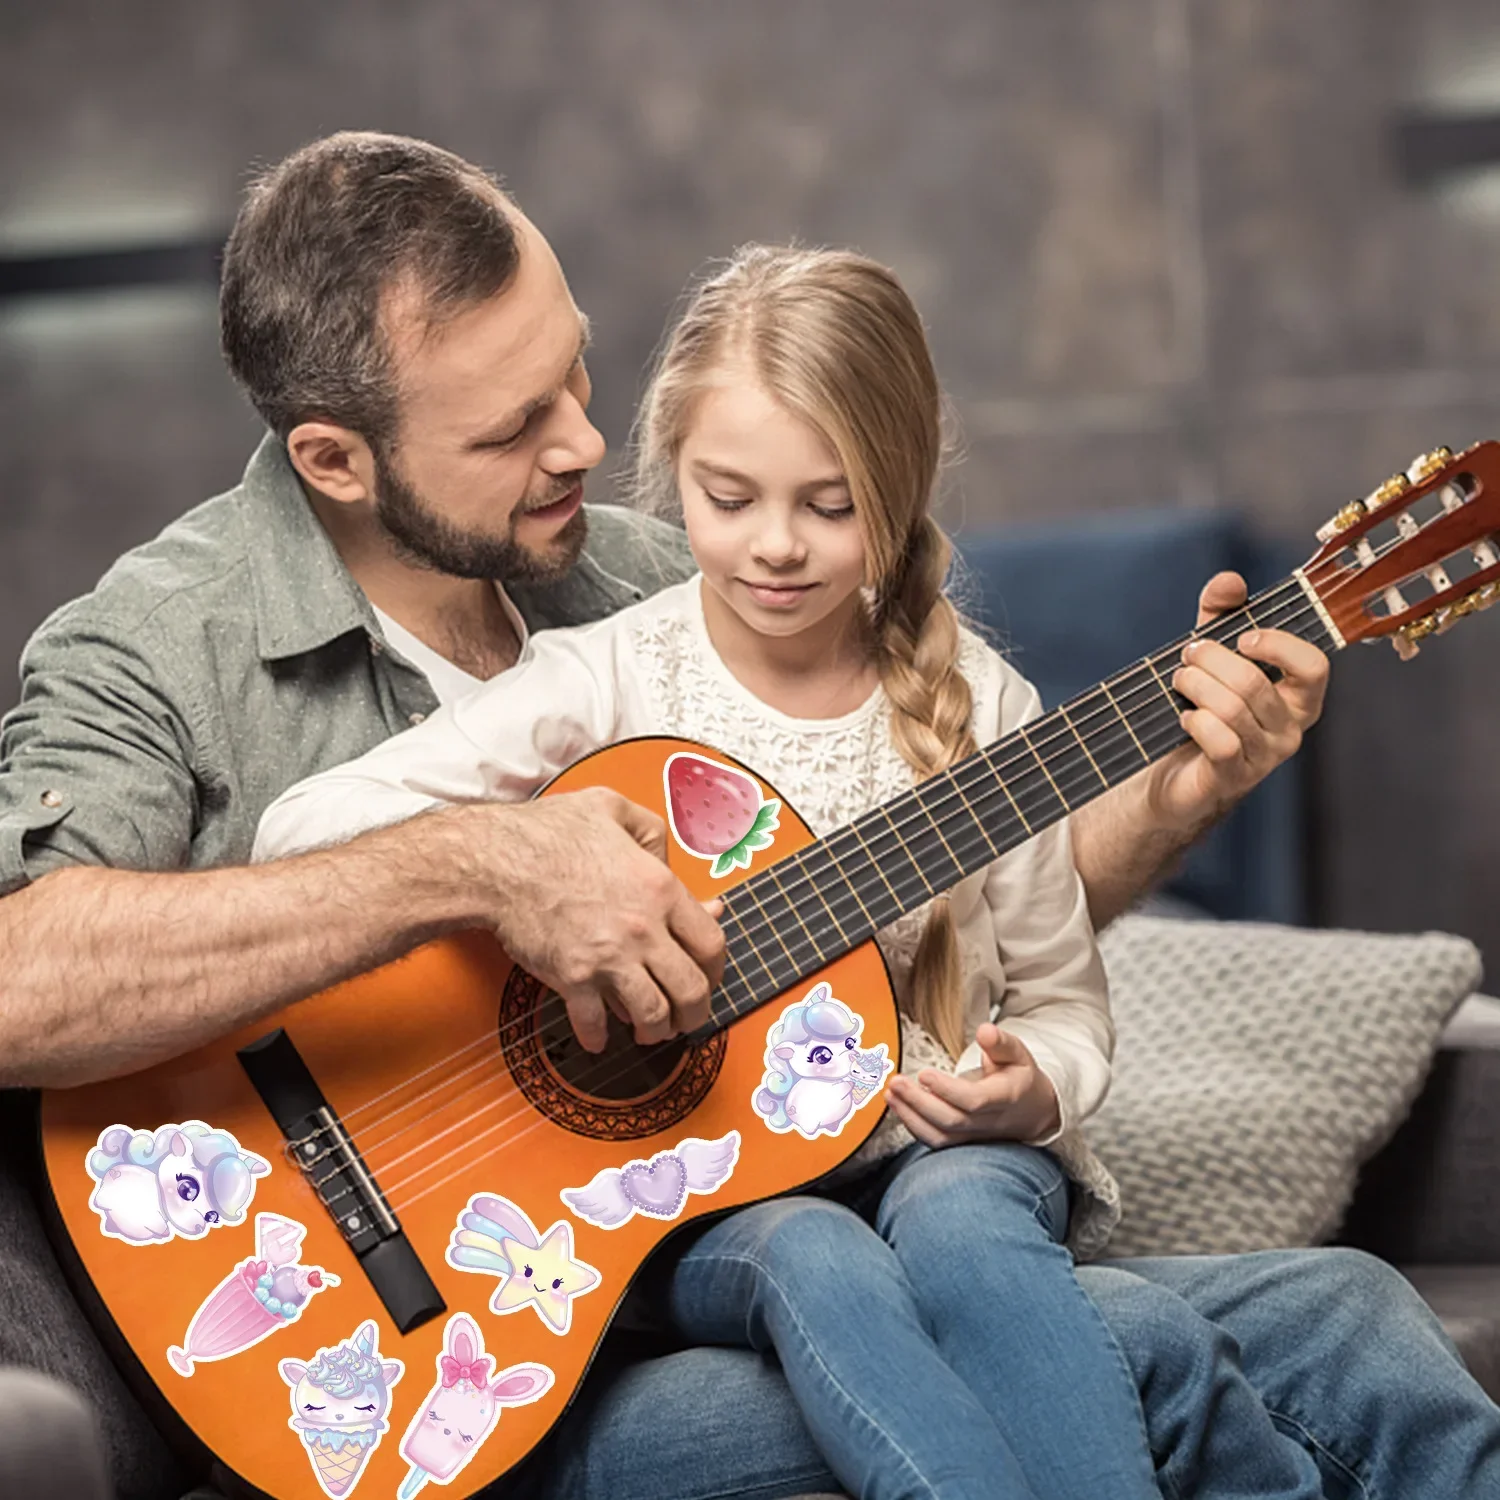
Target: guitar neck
{"points": [[799, 914]]}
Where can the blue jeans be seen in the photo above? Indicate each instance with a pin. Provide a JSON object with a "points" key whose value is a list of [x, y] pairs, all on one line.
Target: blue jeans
{"points": [[1318, 1371], [942, 1348]]}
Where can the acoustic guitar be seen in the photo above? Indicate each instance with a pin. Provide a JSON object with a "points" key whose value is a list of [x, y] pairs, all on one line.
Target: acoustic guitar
{"points": [[373, 1242]]}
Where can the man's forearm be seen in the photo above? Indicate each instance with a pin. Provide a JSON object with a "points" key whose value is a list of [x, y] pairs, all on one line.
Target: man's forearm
{"points": [[1123, 848], [105, 971]]}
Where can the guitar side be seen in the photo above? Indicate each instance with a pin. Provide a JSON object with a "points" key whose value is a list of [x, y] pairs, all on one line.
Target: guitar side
{"points": [[407, 1059]]}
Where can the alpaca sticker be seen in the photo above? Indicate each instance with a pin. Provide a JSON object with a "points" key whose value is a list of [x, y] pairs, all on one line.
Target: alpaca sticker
{"points": [[495, 1238], [717, 812], [658, 1187], [262, 1294], [816, 1075], [179, 1180], [339, 1403], [463, 1406]]}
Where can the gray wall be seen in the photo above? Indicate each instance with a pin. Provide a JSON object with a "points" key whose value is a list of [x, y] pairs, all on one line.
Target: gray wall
{"points": [[1160, 245]]}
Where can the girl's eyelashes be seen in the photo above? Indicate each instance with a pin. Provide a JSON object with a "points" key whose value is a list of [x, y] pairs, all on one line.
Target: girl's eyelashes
{"points": [[827, 512]]}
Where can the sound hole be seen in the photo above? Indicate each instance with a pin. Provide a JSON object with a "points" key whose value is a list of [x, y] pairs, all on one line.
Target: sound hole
{"points": [[622, 1093]]}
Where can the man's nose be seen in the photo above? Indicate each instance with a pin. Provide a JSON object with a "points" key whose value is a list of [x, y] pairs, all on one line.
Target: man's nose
{"points": [[573, 442]]}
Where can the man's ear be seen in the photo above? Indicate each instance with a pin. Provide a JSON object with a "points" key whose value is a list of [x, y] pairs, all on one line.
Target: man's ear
{"points": [[333, 460]]}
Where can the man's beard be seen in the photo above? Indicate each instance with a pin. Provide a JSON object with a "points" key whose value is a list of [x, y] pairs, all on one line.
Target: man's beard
{"points": [[433, 542]]}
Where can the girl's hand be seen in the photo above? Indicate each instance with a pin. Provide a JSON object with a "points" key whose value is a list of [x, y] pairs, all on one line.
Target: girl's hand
{"points": [[1013, 1101]]}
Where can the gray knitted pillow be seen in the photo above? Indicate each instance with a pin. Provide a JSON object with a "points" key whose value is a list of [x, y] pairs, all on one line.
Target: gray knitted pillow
{"points": [[1257, 1068]]}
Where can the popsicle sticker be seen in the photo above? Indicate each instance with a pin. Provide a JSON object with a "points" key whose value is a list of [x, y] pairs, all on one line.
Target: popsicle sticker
{"points": [[340, 1398], [175, 1181], [717, 812], [263, 1293], [463, 1406]]}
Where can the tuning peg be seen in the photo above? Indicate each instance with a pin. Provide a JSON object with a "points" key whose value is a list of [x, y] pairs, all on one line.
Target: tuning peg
{"points": [[1350, 515], [1425, 465], [1394, 487]]}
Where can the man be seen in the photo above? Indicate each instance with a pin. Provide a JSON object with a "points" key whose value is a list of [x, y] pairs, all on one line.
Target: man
{"points": [[411, 342]]}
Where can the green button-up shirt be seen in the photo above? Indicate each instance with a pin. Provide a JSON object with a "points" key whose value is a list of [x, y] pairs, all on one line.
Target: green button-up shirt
{"points": [[211, 668]]}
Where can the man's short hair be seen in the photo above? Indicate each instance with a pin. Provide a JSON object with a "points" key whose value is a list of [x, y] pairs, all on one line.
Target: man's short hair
{"points": [[319, 241]]}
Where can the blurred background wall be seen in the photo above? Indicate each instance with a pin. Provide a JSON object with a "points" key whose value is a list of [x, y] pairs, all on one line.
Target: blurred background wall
{"points": [[1167, 250]]}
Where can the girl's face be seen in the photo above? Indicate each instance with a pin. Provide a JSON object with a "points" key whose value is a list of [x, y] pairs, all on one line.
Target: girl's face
{"points": [[768, 512]]}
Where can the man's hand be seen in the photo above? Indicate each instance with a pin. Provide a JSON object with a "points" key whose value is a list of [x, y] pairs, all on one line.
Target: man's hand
{"points": [[581, 896], [1013, 1101], [1244, 726]]}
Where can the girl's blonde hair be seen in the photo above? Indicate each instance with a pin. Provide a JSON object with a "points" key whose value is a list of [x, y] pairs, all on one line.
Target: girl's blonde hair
{"points": [[834, 338]]}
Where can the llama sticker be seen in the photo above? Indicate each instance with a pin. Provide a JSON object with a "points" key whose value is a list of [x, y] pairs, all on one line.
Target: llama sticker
{"points": [[463, 1406], [261, 1295], [717, 812], [816, 1075], [658, 1187], [179, 1180], [339, 1403], [495, 1238]]}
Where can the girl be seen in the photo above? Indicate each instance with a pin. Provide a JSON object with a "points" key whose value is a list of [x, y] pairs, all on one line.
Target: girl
{"points": [[924, 1309]]}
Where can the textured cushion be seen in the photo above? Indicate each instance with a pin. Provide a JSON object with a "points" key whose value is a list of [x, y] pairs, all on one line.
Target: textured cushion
{"points": [[1257, 1068]]}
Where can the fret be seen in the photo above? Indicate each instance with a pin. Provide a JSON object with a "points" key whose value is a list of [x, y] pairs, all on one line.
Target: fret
{"points": [[1004, 785], [1083, 744], [884, 813], [849, 912], [816, 887], [780, 920], [1125, 720], [984, 832], [933, 827], [1038, 796], [814, 946], [797, 914], [743, 937], [874, 863], [869, 900]]}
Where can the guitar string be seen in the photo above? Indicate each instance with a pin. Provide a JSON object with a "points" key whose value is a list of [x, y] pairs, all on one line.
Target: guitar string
{"points": [[462, 1124], [931, 813], [1094, 775], [462, 1147], [1223, 627], [485, 1154], [1097, 773]]}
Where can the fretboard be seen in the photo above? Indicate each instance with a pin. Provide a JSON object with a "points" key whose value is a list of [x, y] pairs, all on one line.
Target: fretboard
{"points": [[793, 917]]}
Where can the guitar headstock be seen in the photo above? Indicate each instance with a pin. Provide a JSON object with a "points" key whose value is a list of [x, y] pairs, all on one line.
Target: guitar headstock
{"points": [[1417, 554]]}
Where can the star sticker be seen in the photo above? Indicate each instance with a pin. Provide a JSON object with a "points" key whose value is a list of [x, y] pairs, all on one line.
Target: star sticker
{"points": [[548, 1276], [494, 1237]]}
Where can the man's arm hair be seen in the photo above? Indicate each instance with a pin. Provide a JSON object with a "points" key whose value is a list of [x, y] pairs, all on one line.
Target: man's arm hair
{"points": [[106, 971], [1123, 848]]}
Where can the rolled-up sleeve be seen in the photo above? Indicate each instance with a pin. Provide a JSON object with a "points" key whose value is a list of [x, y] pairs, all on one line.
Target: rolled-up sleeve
{"points": [[95, 760]]}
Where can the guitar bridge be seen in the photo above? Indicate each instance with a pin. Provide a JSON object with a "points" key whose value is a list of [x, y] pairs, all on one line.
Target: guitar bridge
{"points": [[327, 1157]]}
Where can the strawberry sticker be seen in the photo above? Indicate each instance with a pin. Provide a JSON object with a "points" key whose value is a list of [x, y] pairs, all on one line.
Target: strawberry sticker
{"points": [[717, 812]]}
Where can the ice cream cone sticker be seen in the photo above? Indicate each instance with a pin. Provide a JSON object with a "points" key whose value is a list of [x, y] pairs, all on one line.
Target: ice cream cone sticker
{"points": [[339, 1403], [717, 812], [261, 1294]]}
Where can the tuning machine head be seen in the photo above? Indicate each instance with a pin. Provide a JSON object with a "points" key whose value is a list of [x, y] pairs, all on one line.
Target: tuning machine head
{"points": [[1422, 467]]}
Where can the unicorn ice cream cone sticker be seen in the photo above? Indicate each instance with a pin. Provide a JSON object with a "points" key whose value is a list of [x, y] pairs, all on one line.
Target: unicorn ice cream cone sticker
{"points": [[339, 1403], [463, 1406]]}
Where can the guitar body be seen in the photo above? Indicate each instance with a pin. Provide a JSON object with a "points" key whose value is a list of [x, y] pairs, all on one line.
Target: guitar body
{"points": [[472, 1112]]}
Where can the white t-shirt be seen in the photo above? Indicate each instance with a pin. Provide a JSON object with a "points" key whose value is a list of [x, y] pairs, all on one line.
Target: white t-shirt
{"points": [[449, 682], [1024, 935]]}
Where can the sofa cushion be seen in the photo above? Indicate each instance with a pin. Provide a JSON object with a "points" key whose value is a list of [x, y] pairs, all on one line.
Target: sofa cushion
{"points": [[1257, 1068]]}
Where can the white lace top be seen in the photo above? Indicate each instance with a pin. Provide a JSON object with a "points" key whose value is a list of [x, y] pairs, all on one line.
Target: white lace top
{"points": [[1025, 941]]}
